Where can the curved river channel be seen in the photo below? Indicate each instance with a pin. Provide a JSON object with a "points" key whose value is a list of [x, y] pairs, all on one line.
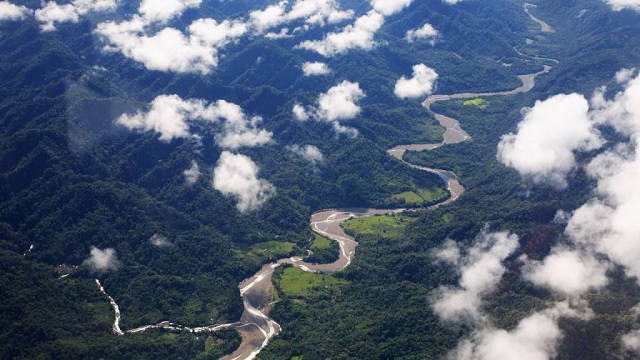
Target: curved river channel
{"points": [[255, 326]]}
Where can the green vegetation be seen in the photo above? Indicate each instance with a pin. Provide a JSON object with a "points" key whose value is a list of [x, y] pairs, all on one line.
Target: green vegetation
{"points": [[293, 282], [274, 249], [323, 250], [422, 197], [477, 102], [387, 226], [320, 242]]}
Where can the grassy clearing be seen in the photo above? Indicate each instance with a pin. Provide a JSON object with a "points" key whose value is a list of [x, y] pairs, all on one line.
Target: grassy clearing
{"points": [[421, 196], [477, 102], [320, 242], [273, 248], [298, 283], [388, 226]]}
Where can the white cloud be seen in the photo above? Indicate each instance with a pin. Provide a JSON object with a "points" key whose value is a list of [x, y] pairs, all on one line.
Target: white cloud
{"points": [[169, 116], [568, 272], [192, 174], [480, 272], [448, 252], [420, 84], [424, 32], [9, 11], [547, 138], [165, 10], [357, 36], [315, 68], [631, 341], [536, 337], [312, 12], [53, 13], [451, 2], [308, 152], [159, 240], [624, 4], [237, 176], [339, 102], [389, 7], [300, 113], [101, 261], [169, 49], [624, 75]]}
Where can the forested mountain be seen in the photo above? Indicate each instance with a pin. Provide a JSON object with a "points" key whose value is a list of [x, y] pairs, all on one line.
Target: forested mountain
{"points": [[171, 149]]}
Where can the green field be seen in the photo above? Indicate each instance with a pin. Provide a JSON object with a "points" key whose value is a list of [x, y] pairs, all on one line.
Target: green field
{"points": [[477, 102], [320, 242], [388, 226], [298, 283], [421, 196], [273, 248]]}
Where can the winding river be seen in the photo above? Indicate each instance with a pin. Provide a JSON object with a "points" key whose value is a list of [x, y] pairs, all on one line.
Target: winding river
{"points": [[255, 326]]}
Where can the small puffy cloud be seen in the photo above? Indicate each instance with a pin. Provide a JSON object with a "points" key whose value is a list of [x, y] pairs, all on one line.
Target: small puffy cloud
{"points": [[165, 10], [192, 174], [300, 113], [480, 271], [170, 49], [159, 240], [451, 2], [53, 13], [536, 337], [624, 75], [308, 152], [312, 12], [338, 103], [425, 32], [448, 252], [420, 84], [618, 5], [631, 341], [237, 176], [568, 272], [357, 36], [389, 7], [315, 68], [169, 115], [101, 261], [543, 148], [9, 11]]}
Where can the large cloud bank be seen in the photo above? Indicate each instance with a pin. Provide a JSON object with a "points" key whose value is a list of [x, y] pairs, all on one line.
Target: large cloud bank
{"points": [[606, 228], [338, 103], [536, 337], [481, 268], [237, 176], [169, 115], [420, 84], [480, 271], [544, 146]]}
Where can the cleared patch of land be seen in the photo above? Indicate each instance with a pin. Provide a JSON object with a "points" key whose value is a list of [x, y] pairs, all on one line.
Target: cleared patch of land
{"points": [[422, 196], [388, 226], [295, 282], [273, 248], [477, 102]]}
